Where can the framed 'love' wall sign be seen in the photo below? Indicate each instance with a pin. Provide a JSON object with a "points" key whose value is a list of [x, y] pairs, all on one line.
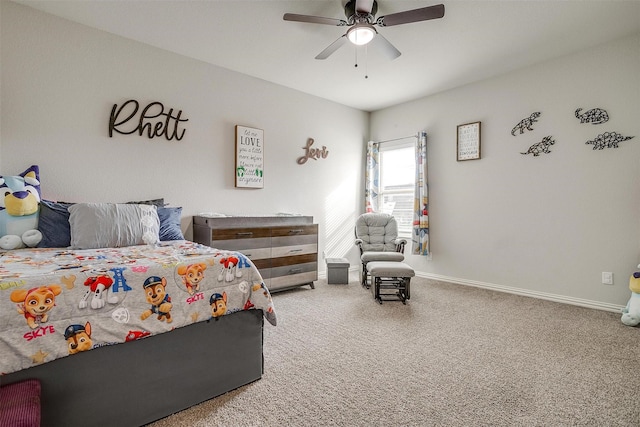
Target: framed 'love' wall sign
{"points": [[249, 157]]}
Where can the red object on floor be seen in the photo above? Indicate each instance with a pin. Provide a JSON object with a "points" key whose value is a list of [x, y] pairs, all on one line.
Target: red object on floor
{"points": [[20, 404]]}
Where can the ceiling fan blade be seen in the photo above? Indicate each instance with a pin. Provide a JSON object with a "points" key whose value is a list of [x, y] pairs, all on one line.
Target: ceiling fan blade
{"points": [[314, 19], [415, 15], [385, 45], [364, 6], [332, 47]]}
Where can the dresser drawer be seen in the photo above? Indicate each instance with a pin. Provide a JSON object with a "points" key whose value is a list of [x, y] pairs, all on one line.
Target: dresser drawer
{"points": [[239, 233], [293, 260], [291, 280], [283, 251], [289, 242], [294, 230], [258, 249], [256, 254], [288, 270]]}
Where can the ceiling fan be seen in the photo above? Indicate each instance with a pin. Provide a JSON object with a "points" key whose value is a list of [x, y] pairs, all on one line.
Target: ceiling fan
{"points": [[361, 18]]}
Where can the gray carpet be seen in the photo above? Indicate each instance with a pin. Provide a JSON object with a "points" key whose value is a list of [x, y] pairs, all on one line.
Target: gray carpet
{"points": [[453, 356]]}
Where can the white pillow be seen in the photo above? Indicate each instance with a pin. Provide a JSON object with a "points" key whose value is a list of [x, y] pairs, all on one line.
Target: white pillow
{"points": [[111, 225]]}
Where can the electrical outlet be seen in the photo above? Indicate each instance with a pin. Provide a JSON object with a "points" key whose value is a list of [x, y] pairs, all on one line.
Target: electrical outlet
{"points": [[607, 278]]}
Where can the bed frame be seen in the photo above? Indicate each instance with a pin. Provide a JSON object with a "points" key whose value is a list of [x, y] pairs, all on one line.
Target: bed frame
{"points": [[139, 382]]}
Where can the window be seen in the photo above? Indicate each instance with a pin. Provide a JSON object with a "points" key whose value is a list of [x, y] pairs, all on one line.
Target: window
{"points": [[397, 180]]}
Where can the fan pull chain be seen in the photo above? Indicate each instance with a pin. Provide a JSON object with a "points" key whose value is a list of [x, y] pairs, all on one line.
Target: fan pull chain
{"points": [[366, 61]]}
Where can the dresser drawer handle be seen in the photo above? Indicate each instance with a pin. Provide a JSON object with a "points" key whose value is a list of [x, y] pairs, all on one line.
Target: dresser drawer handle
{"points": [[295, 250], [295, 231], [244, 233], [295, 270]]}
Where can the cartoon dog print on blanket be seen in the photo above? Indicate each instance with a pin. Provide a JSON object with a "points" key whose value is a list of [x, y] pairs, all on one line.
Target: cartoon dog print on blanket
{"points": [[218, 304], [78, 337], [230, 270], [231, 267], [99, 286], [156, 294], [36, 303], [192, 275]]}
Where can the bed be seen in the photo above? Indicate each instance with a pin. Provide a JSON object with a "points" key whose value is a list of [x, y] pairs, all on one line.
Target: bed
{"points": [[123, 329]]}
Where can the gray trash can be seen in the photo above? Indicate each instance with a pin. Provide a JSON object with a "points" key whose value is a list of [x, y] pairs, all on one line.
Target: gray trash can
{"points": [[337, 271]]}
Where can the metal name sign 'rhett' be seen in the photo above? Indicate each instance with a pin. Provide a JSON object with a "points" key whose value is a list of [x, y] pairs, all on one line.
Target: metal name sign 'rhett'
{"points": [[165, 123]]}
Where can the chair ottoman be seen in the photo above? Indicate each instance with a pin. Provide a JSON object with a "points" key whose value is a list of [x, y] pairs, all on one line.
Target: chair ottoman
{"points": [[390, 275]]}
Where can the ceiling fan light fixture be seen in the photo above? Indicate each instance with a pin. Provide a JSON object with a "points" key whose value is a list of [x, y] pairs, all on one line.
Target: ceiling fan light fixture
{"points": [[361, 34]]}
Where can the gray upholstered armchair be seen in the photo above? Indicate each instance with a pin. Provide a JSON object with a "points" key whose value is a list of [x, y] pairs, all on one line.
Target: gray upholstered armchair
{"points": [[377, 239]]}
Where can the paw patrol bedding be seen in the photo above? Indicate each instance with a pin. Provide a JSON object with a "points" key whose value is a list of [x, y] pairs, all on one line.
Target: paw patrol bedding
{"points": [[58, 302]]}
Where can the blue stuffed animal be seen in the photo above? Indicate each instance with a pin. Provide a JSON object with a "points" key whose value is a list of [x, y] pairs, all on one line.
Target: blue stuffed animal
{"points": [[19, 206], [631, 313]]}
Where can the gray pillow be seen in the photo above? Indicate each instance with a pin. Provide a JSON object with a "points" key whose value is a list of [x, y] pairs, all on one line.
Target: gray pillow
{"points": [[112, 225], [157, 202]]}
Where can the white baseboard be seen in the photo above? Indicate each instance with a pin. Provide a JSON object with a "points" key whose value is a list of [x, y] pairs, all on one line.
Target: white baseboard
{"points": [[525, 292], [614, 308]]}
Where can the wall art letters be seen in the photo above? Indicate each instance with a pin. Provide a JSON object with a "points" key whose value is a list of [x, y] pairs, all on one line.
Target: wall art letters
{"points": [[153, 120], [312, 153]]}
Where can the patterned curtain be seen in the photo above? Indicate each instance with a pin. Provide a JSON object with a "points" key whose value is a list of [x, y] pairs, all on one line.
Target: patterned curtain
{"points": [[372, 177], [420, 236]]}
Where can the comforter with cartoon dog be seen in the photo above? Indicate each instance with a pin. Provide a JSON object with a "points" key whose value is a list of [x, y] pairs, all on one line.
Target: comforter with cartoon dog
{"points": [[58, 302]]}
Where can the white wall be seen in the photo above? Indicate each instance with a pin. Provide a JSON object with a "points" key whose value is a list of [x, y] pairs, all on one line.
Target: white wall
{"points": [[60, 80], [544, 225]]}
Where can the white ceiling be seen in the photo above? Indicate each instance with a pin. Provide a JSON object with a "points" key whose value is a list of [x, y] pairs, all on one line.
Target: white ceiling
{"points": [[475, 40]]}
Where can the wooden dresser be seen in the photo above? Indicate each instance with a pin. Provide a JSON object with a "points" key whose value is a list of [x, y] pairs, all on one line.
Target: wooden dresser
{"points": [[284, 248]]}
